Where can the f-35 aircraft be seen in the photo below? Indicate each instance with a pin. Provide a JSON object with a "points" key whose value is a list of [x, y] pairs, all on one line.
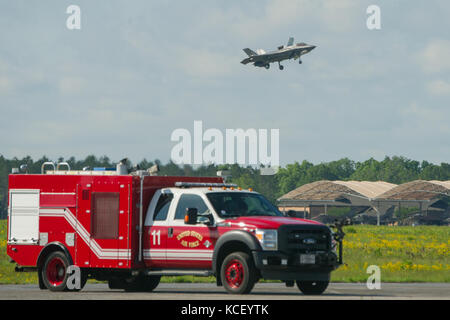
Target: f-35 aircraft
{"points": [[260, 58]]}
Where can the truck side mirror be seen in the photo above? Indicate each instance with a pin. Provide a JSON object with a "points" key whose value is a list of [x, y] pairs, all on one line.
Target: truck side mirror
{"points": [[291, 213], [191, 216]]}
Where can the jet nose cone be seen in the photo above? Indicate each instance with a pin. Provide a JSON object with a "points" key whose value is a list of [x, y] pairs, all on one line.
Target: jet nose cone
{"points": [[313, 47]]}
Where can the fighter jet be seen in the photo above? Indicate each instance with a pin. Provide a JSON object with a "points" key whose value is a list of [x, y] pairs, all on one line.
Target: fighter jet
{"points": [[260, 58]]}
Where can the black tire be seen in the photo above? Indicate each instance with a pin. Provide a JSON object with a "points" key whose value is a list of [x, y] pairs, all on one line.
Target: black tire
{"points": [[151, 282], [40, 281], [238, 273], [116, 283], [312, 287], [281, 67], [54, 271], [142, 283], [267, 66]]}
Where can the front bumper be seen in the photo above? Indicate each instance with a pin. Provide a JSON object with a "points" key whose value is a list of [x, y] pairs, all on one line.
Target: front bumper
{"points": [[277, 265]]}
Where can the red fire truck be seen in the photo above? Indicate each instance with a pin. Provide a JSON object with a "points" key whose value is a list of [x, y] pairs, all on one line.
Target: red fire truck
{"points": [[131, 229]]}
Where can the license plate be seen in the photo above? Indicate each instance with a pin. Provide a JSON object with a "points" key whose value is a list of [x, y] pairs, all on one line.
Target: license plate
{"points": [[307, 259]]}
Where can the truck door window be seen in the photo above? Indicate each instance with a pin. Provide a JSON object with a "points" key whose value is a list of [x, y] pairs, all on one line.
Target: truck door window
{"points": [[162, 207], [189, 201]]}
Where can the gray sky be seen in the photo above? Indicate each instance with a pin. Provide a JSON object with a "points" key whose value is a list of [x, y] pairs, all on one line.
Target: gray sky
{"points": [[137, 70]]}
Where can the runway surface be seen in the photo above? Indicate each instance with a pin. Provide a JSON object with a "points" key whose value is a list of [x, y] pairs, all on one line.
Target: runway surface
{"points": [[209, 291]]}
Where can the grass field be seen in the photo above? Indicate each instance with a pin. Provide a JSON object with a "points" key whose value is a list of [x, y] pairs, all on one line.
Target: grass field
{"points": [[404, 254]]}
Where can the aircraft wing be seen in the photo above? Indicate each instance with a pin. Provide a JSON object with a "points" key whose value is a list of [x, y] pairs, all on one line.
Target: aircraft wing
{"points": [[246, 60], [250, 52], [258, 58], [255, 57]]}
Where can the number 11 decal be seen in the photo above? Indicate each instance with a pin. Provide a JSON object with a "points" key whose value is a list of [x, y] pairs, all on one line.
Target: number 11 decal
{"points": [[156, 236]]}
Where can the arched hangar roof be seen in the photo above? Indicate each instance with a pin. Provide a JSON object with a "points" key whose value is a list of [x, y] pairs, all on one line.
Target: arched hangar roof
{"points": [[336, 192], [417, 190]]}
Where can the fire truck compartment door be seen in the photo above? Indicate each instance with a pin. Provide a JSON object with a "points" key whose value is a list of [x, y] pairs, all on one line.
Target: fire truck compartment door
{"points": [[23, 216]]}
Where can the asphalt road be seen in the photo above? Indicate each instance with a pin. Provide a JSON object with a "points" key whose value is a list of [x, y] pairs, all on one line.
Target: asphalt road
{"points": [[262, 291]]}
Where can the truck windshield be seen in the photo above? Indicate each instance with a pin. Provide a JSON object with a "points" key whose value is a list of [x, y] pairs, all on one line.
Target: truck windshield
{"points": [[241, 204]]}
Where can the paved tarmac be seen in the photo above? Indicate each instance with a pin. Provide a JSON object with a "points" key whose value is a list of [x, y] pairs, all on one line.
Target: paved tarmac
{"points": [[209, 291]]}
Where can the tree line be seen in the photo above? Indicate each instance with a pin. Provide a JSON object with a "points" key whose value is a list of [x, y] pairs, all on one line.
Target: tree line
{"points": [[394, 169]]}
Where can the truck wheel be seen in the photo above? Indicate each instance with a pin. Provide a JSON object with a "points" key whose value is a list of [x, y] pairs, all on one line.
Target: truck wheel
{"points": [[54, 271], [238, 273], [312, 287], [142, 283], [150, 283], [116, 283]]}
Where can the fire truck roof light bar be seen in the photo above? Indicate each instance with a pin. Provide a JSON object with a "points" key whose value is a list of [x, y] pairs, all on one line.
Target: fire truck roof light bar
{"points": [[204, 184]]}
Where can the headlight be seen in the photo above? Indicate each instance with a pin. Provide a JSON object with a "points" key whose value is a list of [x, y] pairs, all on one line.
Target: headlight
{"points": [[267, 238]]}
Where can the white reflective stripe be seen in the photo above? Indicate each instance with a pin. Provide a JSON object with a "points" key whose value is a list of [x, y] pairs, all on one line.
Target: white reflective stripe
{"points": [[60, 193], [190, 259], [189, 255], [177, 254], [100, 252], [189, 250], [44, 211], [180, 250], [154, 255]]}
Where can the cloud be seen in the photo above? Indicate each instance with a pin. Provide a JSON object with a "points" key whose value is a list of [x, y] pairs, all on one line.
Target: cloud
{"points": [[328, 14], [420, 118], [6, 85], [71, 85], [435, 57], [200, 62], [262, 20], [439, 87]]}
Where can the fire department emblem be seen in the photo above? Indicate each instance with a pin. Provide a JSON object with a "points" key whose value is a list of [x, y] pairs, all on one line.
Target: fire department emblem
{"points": [[190, 243]]}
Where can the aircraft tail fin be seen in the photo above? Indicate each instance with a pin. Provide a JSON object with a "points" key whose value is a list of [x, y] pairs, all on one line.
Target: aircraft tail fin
{"points": [[290, 41], [249, 52]]}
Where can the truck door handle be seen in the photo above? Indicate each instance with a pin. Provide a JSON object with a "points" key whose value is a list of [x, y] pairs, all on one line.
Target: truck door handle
{"points": [[170, 233]]}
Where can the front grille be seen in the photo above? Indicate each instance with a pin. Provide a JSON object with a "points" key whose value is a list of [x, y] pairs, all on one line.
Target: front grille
{"points": [[304, 238]]}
